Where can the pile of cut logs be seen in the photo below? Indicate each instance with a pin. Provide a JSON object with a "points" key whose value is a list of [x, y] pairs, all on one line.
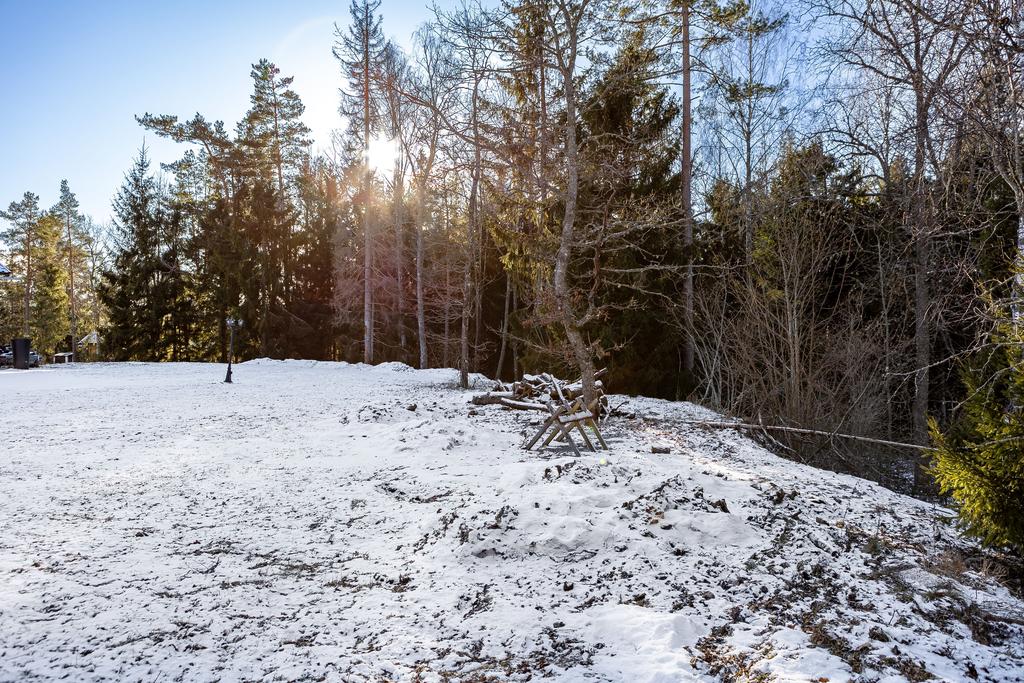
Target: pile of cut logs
{"points": [[533, 392]]}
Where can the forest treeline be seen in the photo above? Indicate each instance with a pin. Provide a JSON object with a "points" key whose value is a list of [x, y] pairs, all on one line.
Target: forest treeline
{"points": [[808, 217]]}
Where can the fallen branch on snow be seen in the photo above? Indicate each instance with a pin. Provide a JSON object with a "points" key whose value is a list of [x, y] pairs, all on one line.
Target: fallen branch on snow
{"points": [[800, 430]]}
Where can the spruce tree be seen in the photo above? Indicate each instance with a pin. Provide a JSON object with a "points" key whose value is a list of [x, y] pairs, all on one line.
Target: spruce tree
{"points": [[172, 290], [629, 153], [978, 460], [127, 290]]}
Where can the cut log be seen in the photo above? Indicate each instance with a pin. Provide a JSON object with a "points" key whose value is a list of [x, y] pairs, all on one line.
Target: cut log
{"points": [[522, 405], [575, 390], [533, 392], [491, 398], [575, 417]]}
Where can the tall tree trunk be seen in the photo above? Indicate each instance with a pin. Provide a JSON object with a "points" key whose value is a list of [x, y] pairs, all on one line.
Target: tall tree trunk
{"points": [[447, 285], [477, 228], [467, 293], [1017, 307], [748, 155], [397, 211], [447, 315], [686, 182], [515, 343], [421, 317], [28, 280], [367, 288], [265, 316], [478, 302], [71, 291], [561, 275], [504, 327], [367, 238], [542, 177], [468, 299], [921, 226], [93, 278]]}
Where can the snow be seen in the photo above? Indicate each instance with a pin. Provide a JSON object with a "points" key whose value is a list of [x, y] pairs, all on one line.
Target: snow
{"points": [[304, 524]]}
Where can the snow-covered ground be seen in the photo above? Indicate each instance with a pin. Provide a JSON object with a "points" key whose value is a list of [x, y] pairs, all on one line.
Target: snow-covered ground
{"points": [[323, 521]]}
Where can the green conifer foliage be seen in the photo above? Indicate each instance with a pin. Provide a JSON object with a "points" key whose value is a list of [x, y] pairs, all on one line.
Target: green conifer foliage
{"points": [[49, 324], [979, 461], [128, 289], [20, 237], [73, 251]]}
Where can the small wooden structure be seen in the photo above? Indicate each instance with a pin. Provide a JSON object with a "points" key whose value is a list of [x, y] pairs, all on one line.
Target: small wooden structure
{"points": [[564, 417]]}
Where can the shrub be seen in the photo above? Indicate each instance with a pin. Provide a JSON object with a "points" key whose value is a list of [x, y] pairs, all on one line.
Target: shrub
{"points": [[980, 460]]}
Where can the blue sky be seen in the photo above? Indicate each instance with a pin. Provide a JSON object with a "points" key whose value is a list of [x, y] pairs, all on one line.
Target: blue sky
{"points": [[75, 74]]}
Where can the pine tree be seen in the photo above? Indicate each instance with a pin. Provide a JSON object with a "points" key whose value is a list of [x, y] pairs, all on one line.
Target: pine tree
{"points": [[978, 460], [21, 237], [274, 140], [273, 130], [49, 295], [359, 50], [72, 239], [749, 84], [396, 81]]}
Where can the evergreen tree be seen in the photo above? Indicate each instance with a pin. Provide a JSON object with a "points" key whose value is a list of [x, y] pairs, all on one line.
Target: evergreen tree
{"points": [[628, 151], [128, 287], [10, 308], [273, 131], [978, 460], [235, 233], [311, 333], [172, 292], [748, 87], [274, 140], [21, 237], [72, 239], [49, 295], [359, 50]]}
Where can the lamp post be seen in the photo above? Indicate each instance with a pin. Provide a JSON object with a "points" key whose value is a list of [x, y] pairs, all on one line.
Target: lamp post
{"points": [[232, 323]]}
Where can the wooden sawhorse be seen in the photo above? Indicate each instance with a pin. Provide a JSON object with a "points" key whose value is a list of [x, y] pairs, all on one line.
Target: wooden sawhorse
{"points": [[562, 420]]}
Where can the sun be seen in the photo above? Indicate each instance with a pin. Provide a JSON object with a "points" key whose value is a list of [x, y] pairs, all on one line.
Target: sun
{"points": [[382, 154]]}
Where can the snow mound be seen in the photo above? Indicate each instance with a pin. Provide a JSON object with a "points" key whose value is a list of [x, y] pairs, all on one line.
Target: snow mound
{"points": [[264, 362], [327, 521], [393, 366]]}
